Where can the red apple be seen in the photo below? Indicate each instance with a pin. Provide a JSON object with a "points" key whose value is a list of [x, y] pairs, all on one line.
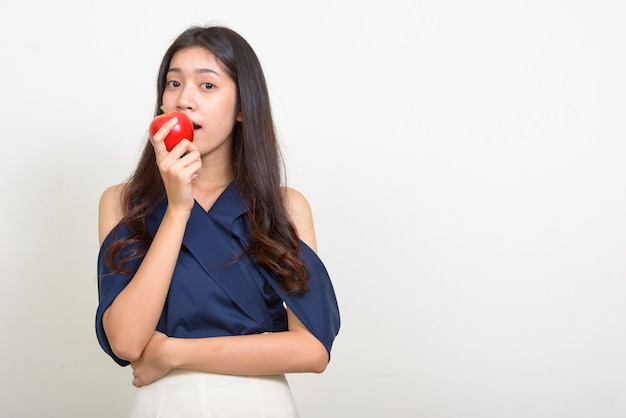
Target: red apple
{"points": [[182, 130]]}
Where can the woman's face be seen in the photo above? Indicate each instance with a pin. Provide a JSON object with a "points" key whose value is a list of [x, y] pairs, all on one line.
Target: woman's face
{"points": [[198, 86]]}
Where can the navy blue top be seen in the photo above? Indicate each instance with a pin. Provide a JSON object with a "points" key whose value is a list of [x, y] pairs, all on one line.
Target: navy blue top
{"points": [[216, 292]]}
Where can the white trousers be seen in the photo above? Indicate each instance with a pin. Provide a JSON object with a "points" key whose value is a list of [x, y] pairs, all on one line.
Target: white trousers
{"points": [[189, 394]]}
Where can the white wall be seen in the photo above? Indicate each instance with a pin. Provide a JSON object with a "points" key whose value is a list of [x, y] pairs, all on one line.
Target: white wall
{"points": [[464, 161]]}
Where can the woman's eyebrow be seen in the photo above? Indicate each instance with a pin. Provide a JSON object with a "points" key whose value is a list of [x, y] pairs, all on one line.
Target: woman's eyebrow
{"points": [[199, 70]]}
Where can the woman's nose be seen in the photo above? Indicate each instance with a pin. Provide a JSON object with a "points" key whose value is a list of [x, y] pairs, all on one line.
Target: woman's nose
{"points": [[185, 100]]}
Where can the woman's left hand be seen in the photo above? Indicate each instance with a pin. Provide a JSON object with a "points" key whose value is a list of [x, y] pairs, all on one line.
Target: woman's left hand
{"points": [[152, 364]]}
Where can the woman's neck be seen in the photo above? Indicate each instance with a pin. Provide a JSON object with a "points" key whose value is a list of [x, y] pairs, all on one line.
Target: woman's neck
{"points": [[213, 178]]}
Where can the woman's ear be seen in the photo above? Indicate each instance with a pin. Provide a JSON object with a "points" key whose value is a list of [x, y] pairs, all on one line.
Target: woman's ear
{"points": [[239, 117]]}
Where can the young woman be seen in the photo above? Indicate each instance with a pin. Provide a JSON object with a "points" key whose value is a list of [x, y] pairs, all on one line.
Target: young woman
{"points": [[208, 281]]}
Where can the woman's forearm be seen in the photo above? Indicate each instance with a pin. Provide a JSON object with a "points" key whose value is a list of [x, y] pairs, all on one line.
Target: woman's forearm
{"points": [[132, 317], [295, 351]]}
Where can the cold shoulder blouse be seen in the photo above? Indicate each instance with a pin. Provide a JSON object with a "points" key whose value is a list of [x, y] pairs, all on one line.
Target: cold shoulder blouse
{"points": [[215, 291]]}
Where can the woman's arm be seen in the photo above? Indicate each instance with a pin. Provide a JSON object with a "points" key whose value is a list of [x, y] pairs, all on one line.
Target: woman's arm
{"points": [[292, 351], [131, 319], [299, 212]]}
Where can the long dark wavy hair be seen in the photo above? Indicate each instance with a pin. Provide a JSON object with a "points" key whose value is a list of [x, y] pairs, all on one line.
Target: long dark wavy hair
{"points": [[258, 166]]}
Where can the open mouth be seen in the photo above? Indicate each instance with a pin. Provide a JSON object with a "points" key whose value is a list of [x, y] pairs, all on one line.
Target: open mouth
{"points": [[196, 126]]}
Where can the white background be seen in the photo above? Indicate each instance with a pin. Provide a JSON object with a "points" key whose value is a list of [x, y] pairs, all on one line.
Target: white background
{"points": [[464, 161]]}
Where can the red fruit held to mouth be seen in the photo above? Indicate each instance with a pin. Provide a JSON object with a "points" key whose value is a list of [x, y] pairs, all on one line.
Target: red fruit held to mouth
{"points": [[182, 130]]}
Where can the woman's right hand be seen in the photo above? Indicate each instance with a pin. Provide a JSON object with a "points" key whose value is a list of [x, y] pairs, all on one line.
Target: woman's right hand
{"points": [[178, 168]]}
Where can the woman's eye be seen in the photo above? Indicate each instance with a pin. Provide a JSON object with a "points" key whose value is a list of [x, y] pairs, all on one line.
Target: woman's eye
{"points": [[173, 83], [207, 86]]}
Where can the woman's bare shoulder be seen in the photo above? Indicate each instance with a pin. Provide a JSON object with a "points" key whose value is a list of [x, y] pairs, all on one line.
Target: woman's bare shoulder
{"points": [[301, 216], [110, 210]]}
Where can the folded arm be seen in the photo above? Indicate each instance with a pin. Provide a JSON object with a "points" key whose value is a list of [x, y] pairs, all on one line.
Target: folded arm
{"points": [[292, 351]]}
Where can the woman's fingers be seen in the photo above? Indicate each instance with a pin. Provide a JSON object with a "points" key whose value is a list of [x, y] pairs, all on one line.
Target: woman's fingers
{"points": [[183, 159], [178, 169], [158, 139]]}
